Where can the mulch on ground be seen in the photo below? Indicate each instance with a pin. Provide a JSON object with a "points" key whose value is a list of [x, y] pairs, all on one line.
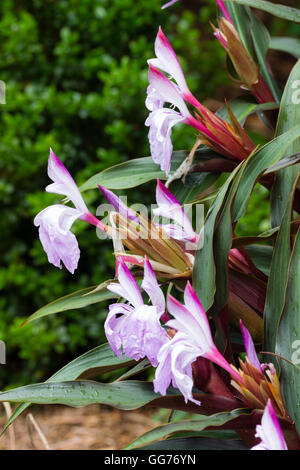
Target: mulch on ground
{"points": [[89, 428]]}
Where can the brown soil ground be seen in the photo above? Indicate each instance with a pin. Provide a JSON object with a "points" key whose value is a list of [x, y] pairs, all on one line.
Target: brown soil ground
{"points": [[90, 428]]}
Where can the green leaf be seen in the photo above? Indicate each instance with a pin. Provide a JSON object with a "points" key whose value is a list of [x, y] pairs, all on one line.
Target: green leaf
{"points": [[283, 163], [288, 340], [222, 242], [261, 40], [123, 395], [140, 170], [289, 116], [200, 443], [129, 174], [285, 44], [281, 11], [261, 255], [268, 235], [137, 369], [257, 163], [94, 362], [127, 395], [250, 240], [242, 109], [194, 185], [79, 299], [277, 283], [197, 424], [204, 271]]}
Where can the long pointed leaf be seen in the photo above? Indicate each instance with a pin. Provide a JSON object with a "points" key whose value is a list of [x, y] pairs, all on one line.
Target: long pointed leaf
{"points": [[276, 289], [281, 11], [78, 299], [128, 395], [140, 170], [198, 424], [123, 395], [285, 44], [94, 362], [261, 41], [257, 163], [194, 443], [289, 116], [288, 340], [204, 271]]}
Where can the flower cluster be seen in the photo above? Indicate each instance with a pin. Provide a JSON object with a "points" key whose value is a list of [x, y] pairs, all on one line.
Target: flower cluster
{"points": [[171, 335], [179, 339], [230, 141], [55, 221], [137, 329]]}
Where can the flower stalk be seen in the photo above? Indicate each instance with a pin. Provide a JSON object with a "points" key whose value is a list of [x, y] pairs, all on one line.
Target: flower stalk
{"points": [[245, 66]]}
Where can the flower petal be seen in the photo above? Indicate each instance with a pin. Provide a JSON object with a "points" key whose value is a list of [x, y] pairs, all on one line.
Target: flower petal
{"points": [[166, 90], [178, 233], [166, 5], [153, 102], [269, 431], [64, 183], [169, 207], [113, 326], [168, 62], [194, 305], [118, 204], [59, 243], [161, 122], [191, 319], [250, 348], [150, 285], [183, 320], [143, 334], [175, 365], [128, 287], [137, 332]]}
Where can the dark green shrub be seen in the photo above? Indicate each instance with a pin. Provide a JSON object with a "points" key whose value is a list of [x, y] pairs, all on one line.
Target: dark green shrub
{"points": [[76, 75]]}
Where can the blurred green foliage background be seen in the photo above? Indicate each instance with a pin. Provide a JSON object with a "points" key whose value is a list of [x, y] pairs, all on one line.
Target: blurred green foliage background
{"points": [[76, 77]]}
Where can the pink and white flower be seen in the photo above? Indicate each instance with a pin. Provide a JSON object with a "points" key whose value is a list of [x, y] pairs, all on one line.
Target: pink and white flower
{"points": [[166, 5], [118, 204], [134, 327], [250, 348], [161, 120], [193, 339], [214, 131], [169, 207], [55, 221], [167, 61], [58, 241], [269, 431], [161, 90]]}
